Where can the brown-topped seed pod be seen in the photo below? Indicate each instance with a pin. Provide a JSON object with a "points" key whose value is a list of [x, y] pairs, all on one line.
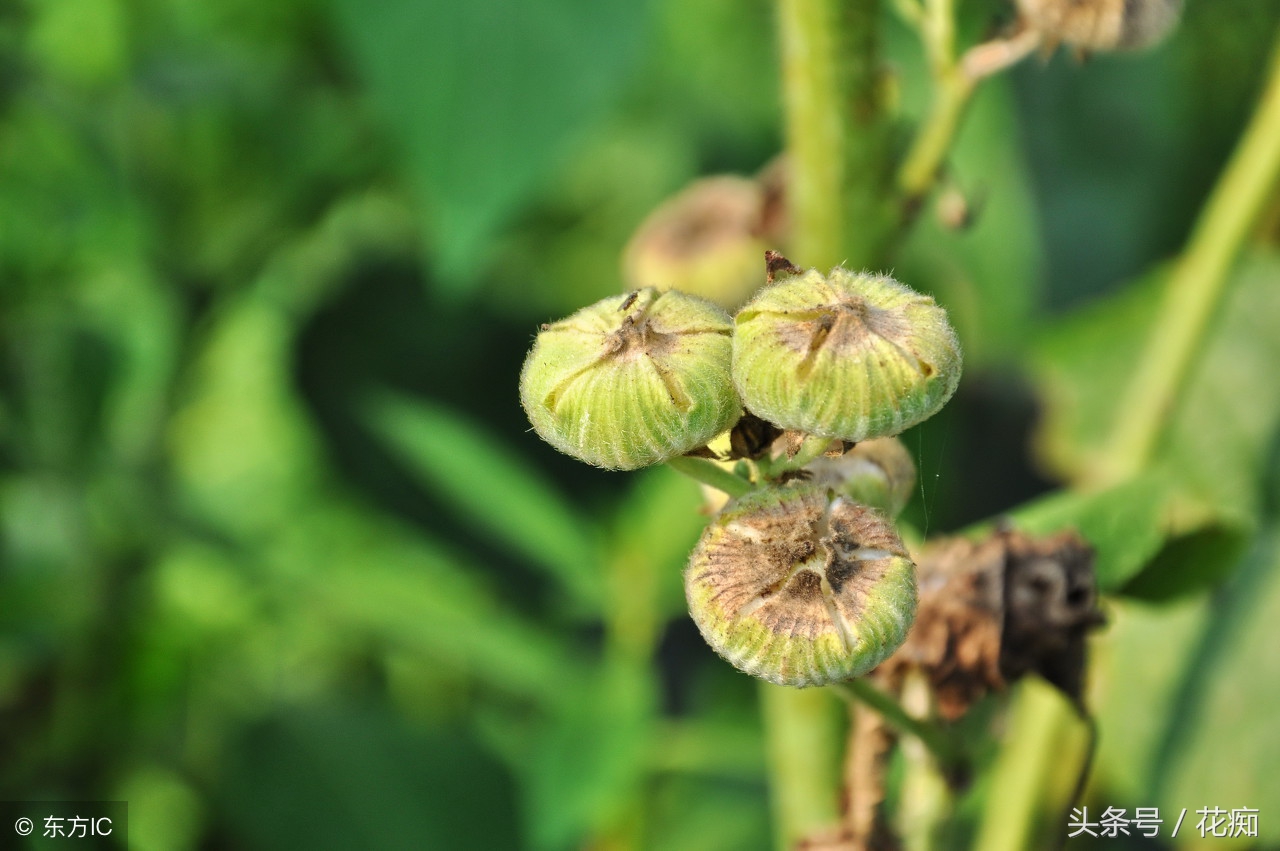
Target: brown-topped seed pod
{"points": [[1102, 24], [632, 380], [801, 587], [846, 355], [706, 241]]}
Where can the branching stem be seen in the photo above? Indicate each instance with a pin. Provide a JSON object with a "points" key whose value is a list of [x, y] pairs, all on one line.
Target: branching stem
{"points": [[1195, 290]]}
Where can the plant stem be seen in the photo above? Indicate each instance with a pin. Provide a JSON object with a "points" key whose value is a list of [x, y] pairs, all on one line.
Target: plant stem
{"points": [[1195, 290], [954, 84], [802, 746], [891, 711], [836, 133], [953, 90], [711, 474], [1034, 771], [838, 149]]}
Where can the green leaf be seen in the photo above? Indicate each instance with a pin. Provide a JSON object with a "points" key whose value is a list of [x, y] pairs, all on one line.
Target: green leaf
{"points": [[1222, 745], [1215, 443], [242, 446], [1186, 697], [1124, 524], [372, 577], [592, 757], [485, 98], [491, 488]]}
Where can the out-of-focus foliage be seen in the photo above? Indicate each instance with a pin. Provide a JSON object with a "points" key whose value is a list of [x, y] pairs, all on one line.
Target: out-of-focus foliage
{"points": [[281, 564]]}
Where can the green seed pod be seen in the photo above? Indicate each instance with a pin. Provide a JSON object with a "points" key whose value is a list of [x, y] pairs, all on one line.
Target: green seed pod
{"points": [[876, 472], [846, 355], [800, 587], [632, 380]]}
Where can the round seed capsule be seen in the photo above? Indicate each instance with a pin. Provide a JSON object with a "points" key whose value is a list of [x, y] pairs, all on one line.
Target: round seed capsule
{"points": [[1103, 24], [801, 588], [844, 355], [632, 380]]}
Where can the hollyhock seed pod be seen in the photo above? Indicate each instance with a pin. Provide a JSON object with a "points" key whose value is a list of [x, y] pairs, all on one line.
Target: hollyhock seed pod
{"points": [[1102, 24], [801, 587], [876, 472], [632, 380], [846, 355]]}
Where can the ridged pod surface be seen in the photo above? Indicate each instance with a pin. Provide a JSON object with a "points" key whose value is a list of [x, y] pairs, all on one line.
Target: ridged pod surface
{"points": [[801, 588], [632, 380], [845, 355]]}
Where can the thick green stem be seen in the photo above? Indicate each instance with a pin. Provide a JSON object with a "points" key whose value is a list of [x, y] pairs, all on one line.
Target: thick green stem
{"points": [[710, 473], [1195, 290], [840, 182], [802, 746], [1036, 770], [836, 133]]}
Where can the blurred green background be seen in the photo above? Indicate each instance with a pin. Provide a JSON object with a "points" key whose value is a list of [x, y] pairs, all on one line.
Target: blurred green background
{"points": [[281, 563]]}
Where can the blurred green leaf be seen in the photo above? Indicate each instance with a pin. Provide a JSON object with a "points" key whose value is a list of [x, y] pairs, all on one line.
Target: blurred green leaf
{"points": [[702, 814], [1222, 744], [242, 446], [491, 488], [592, 757], [1124, 524], [375, 578], [1137, 661], [360, 778], [1205, 675], [485, 98], [1215, 442]]}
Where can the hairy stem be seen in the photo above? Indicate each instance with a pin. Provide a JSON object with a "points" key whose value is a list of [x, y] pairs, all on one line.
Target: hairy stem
{"points": [[1195, 290], [802, 741], [840, 181], [836, 132]]}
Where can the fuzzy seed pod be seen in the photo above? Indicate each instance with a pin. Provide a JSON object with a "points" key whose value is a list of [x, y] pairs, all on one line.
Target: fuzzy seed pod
{"points": [[846, 355], [876, 472], [706, 241], [1102, 24], [632, 380], [800, 587]]}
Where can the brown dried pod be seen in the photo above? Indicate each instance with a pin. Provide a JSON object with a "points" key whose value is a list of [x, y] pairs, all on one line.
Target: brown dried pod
{"points": [[994, 610]]}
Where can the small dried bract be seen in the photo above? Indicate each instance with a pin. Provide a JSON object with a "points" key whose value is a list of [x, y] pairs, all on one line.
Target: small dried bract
{"points": [[801, 587], [632, 380], [846, 355], [1102, 24]]}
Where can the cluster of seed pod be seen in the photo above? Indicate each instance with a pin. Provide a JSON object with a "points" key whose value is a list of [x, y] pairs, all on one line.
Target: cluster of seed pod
{"points": [[803, 580]]}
